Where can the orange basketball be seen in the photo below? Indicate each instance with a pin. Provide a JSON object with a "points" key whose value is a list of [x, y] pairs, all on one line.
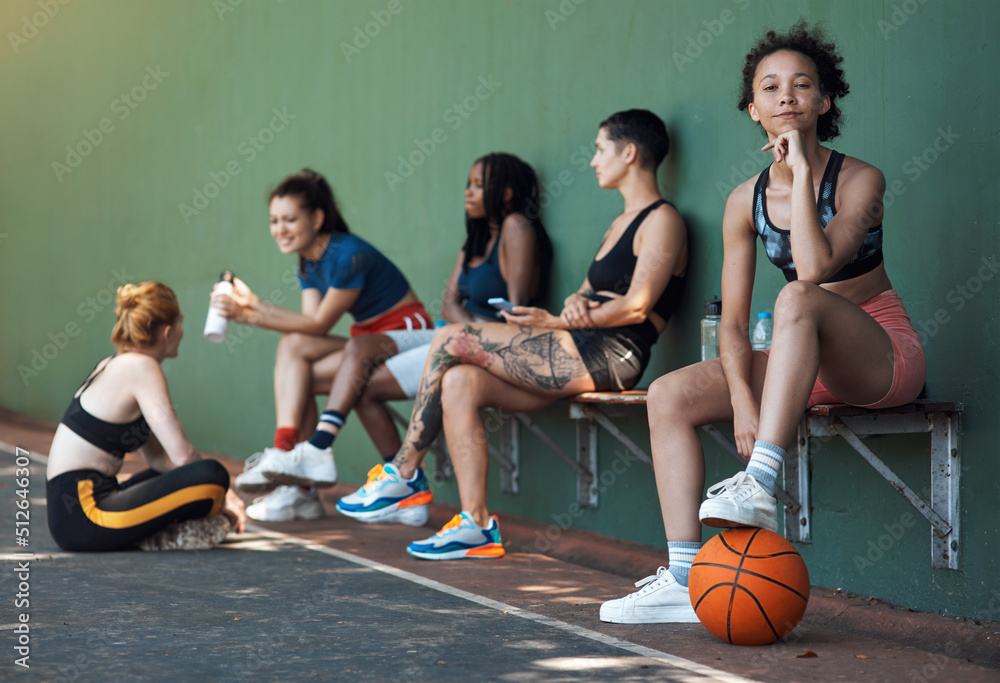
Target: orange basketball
{"points": [[749, 586]]}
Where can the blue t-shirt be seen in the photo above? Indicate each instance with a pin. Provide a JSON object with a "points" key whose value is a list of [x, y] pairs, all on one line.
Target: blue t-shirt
{"points": [[351, 263]]}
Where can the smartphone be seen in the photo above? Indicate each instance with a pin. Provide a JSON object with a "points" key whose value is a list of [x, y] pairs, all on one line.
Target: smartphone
{"points": [[501, 304]]}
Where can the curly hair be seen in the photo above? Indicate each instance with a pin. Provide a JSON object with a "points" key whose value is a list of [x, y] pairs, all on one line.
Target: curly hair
{"points": [[814, 44]]}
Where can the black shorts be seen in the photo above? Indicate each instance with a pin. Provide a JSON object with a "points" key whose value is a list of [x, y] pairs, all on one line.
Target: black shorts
{"points": [[616, 357], [89, 510]]}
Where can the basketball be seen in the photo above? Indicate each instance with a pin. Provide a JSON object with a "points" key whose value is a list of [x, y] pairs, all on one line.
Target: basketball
{"points": [[749, 586]]}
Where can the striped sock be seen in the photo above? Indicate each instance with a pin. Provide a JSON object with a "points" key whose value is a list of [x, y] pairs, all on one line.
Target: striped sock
{"points": [[334, 417], [764, 464], [681, 556], [323, 439]]}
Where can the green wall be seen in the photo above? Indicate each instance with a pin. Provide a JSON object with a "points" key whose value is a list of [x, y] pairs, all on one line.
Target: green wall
{"points": [[186, 90]]}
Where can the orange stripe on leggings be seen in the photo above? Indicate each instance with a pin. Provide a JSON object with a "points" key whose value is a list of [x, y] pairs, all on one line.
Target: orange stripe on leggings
{"points": [[110, 519]]}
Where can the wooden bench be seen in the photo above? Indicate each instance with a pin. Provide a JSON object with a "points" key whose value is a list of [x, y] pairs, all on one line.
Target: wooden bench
{"points": [[593, 411]]}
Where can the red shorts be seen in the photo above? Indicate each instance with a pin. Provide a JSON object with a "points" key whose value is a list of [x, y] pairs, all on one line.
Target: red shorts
{"points": [[909, 365], [409, 317]]}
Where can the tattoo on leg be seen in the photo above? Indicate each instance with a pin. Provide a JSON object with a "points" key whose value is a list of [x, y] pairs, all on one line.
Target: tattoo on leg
{"points": [[539, 361], [464, 346], [532, 361]]}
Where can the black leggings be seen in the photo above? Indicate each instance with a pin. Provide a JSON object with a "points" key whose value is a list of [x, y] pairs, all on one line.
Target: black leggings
{"points": [[90, 511]]}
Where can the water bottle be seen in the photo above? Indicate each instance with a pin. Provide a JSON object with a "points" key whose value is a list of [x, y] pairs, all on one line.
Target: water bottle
{"points": [[216, 325], [761, 339], [710, 329]]}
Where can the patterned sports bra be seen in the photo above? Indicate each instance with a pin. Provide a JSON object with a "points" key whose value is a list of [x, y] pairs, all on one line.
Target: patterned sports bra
{"points": [[778, 242]]}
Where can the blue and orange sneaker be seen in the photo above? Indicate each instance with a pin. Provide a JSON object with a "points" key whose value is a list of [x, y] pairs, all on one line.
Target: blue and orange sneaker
{"points": [[459, 539], [388, 497]]}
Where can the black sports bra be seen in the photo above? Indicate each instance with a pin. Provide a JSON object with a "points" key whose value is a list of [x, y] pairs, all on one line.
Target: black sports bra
{"points": [[116, 438], [614, 271], [778, 242]]}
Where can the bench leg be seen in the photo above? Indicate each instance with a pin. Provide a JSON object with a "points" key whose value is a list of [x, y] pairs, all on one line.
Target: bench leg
{"points": [[586, 457], [795, 476], [946, 468], [510, 448]]}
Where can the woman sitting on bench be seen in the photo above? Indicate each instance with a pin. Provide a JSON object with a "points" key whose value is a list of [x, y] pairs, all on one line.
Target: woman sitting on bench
{"points": [[841, 333], [600, 341]]}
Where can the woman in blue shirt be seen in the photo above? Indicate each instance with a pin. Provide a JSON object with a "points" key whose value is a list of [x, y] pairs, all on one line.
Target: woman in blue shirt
{"points": [[339, 273]]}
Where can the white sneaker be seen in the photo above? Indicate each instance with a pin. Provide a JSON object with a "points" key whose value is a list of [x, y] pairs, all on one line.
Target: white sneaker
{"points": [[661, 600], [739, 501], [286, 504], [304, 465], [252, 479]]}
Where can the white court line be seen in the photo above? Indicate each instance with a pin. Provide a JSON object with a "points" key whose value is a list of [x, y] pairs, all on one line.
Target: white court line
{"points": [[700, 670], [12, 449]]}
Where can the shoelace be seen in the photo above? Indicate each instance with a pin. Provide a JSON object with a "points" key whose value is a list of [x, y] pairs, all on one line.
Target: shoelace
{"points": [[731, 484], [650, 582], [455, 523], [375, 475]]}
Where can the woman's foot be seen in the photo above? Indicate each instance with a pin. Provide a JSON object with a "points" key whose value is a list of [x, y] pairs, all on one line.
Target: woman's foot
{"points": [[739, 502]]}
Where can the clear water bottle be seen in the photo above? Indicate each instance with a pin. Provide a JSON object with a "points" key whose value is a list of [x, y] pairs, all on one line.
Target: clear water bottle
{"points": [[761, 339], [216, 325], [710, 329]]}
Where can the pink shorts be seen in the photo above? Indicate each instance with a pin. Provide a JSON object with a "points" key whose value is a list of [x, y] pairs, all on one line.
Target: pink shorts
{"points": [[909, 365]]}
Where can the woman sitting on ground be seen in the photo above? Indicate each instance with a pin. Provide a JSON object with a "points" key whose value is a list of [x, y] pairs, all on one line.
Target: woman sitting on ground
{"points": [[124, 406]]}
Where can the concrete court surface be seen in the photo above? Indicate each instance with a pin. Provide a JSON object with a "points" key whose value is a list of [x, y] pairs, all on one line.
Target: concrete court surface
{"points": [[337, 600]]}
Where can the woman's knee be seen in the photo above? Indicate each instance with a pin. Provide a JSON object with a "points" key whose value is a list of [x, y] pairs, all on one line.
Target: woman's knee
{"points": [[679, 395], [460, 387], [795, 301], [663, 396], [292, 344], [369, 351], [208, 471]]}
